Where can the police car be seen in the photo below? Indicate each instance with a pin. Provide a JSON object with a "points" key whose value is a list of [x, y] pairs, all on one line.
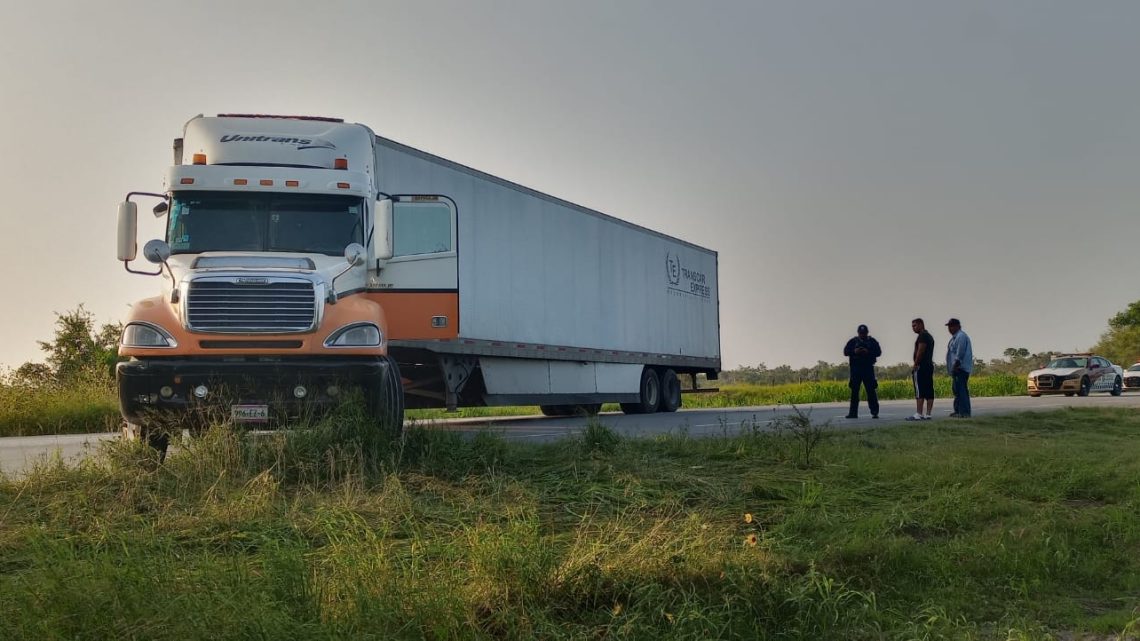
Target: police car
{"points": [[1078, 374], [1132, 377]]}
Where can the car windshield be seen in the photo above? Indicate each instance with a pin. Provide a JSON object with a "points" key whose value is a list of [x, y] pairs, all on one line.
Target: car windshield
{"points": [[1068, 362], [232, 221], [1135, 368]]}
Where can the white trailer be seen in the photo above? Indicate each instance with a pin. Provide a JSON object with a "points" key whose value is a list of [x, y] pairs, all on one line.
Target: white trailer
{"points": [[558, 304]]}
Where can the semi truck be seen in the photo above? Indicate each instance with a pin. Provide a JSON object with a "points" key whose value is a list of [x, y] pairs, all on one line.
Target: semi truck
{"points": [[306, 259]]}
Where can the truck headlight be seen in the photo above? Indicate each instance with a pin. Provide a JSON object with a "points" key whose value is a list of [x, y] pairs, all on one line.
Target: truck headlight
{"points": [[139, 334], [355, 335]]}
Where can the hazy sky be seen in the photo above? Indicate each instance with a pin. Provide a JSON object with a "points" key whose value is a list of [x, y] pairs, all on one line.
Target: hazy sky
{"points": [[853, 162]]}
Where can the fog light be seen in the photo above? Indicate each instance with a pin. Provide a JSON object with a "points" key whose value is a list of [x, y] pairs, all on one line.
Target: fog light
{"points": [[166, 391], [300, 391], [201, 391], [333, 390]]}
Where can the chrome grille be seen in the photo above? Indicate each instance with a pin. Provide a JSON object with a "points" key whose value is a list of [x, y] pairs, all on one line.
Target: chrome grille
{"points": [[239, 305]]}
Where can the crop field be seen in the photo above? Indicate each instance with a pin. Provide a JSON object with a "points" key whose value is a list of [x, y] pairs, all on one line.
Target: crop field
{"points": [[93, 407], [830, 391], [1019, 527]]}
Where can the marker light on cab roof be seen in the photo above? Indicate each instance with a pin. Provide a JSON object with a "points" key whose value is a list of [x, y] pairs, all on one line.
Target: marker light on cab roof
{"points": [[199, 159]]}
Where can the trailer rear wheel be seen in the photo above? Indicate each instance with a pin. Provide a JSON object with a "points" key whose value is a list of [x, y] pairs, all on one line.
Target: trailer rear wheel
{"points": [[670, 391], [650, 393]]}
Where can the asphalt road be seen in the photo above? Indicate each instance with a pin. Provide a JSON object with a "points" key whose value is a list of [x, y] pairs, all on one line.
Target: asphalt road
{"points": [[19, 452]]}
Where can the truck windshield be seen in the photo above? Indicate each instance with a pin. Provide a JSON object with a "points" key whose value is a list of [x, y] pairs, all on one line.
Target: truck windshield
{"points": [[229, 221]]}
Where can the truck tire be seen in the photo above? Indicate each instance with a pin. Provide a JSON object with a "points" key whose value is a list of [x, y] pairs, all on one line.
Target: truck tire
{"points": [[650, 393], [387, 407], [670, 391], [159, 442]]}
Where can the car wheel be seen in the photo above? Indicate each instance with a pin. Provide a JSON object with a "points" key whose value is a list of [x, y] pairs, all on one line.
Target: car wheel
{"points": [[1084, 391], [1035, 395], [1118, 387], [1069, 393]]}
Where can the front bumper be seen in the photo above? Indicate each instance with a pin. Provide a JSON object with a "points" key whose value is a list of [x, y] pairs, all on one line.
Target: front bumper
{"points": [[1049, 384], [1131, 382], [159, 390]]}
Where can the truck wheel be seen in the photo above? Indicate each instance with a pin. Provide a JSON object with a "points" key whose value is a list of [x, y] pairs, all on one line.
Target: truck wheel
{"points": [[1084, 391], [387, 407], [1118, 387], [158, 441], [650, 393], [670, 391]]}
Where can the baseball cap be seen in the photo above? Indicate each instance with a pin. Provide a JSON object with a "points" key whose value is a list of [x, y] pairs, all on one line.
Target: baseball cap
{"points": [[861, 328], [953, 321]]}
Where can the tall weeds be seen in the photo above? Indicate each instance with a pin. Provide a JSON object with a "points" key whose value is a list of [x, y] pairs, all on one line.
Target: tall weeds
{"points": [[1017, 527]]}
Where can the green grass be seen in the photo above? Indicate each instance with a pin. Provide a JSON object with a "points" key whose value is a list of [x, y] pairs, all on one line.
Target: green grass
{"points": [[831, 391], [93, 407], [1000, 528], [79, 408]]}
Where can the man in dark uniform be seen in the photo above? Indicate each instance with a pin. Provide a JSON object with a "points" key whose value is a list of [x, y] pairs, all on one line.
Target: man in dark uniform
{"points": [[861, 352], [922, 372]]}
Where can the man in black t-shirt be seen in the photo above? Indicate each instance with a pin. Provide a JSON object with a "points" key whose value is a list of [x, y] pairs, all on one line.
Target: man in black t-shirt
{"points": [[922, 373]]}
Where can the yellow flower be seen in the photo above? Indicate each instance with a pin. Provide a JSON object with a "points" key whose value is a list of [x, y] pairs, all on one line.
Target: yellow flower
{"points": [[747, 518], [617, 609], [750, 540]]}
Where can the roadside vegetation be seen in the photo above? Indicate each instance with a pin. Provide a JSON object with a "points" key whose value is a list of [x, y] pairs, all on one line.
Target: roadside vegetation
{"points": [[1019, 527]]}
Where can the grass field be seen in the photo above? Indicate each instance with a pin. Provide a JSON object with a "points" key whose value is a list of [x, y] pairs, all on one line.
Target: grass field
{"points": [[1020, 527], [92, 407]]}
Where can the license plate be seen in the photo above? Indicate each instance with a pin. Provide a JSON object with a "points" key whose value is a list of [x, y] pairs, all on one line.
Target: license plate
{"points": [[249, 413]]}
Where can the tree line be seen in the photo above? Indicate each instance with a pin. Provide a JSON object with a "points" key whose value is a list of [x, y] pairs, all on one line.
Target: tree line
{"points": [[1120, 344]]}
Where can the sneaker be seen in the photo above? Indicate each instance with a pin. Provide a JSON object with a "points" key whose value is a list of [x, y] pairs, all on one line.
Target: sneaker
{"points": [[916, 417], [955, 415], [874, 416], [927, 417], [851, 416]]}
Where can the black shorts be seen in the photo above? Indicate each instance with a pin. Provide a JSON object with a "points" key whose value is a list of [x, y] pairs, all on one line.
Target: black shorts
{"points": [[923, 380]]}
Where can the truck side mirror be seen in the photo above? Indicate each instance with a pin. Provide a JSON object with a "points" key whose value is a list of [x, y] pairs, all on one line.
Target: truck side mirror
{"points": [[382, 234], [354, 254], [156, 251], [128, 230]]}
